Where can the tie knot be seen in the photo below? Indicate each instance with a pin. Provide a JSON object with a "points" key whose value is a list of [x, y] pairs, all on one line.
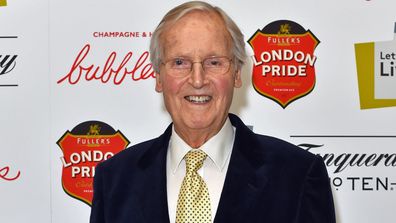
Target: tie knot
{"points": [[194, 160]]}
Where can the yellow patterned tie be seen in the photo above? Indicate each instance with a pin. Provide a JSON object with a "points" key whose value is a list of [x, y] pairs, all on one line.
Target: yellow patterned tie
{"points": [[193, 205]]}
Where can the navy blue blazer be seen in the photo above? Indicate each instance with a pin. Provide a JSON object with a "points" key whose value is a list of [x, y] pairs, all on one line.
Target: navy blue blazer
{"points": [[268, 180]]}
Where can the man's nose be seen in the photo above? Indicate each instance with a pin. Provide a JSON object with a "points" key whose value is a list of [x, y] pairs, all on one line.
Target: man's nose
{"points": [[197, 75]]}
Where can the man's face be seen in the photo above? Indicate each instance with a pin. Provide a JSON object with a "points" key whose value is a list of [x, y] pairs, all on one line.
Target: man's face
{"points": [[197, 102]]}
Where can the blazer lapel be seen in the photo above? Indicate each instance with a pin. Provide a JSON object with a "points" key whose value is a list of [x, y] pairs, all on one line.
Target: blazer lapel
{"points": [[153, 192], [246, 176]]}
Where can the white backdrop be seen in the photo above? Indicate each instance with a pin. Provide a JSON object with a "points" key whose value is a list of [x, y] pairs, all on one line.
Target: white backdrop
{"points": [[50, 34]]}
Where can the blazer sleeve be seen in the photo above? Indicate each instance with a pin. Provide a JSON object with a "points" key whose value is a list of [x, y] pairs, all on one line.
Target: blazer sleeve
{"points": [[97, 208], [317, 204]]}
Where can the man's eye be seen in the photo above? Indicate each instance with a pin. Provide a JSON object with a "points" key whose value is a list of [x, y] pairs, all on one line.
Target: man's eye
{"points": [[215, 62], [178, 62]]}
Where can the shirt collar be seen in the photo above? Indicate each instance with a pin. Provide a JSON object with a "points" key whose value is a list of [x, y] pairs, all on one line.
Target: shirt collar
{"points": [[218, 148]]}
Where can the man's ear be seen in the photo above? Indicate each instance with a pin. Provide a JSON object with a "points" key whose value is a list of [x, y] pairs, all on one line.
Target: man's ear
{"points": [[238, 79], [158, 82]]}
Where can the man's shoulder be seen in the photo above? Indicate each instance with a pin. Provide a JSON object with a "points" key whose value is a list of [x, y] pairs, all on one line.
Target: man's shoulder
{"points": [[283, 155], [128, 157], [269, 146], [279, 147], [140, 153]]}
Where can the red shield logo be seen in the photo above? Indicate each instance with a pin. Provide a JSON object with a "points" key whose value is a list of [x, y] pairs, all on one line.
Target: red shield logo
{"points": [[283, 61], [88, 144]]}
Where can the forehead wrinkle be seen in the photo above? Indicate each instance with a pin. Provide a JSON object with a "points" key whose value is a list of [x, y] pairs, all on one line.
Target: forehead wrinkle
{"points": [[195, 21]]}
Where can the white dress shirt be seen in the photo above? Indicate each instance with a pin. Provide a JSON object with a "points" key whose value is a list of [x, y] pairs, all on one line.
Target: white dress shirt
{"points": [[218, 148]]}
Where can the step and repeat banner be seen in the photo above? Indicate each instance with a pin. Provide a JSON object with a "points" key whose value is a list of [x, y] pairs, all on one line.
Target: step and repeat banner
{"points": [[77, 87]]}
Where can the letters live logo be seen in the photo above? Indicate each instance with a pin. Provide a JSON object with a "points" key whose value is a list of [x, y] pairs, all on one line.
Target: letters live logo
{"points": [[88, 144], [283, 61], [376, 71]]}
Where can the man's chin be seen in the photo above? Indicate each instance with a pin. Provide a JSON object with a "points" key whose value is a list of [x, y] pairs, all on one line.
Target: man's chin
{"points": [[204, 123]]}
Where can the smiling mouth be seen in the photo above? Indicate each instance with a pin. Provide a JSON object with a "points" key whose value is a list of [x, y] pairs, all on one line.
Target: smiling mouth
{"points": [[198, 99]]}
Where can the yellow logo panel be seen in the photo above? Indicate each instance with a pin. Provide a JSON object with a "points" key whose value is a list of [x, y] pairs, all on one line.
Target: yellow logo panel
{"points": [[3, 2]]}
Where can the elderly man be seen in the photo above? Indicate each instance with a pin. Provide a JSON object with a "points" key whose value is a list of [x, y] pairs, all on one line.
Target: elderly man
{"points": [[208, 166]]}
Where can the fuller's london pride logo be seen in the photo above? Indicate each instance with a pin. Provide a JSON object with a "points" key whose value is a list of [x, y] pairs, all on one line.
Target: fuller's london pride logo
{"points": [[376, 69], [283, 61], [88, 144]]}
